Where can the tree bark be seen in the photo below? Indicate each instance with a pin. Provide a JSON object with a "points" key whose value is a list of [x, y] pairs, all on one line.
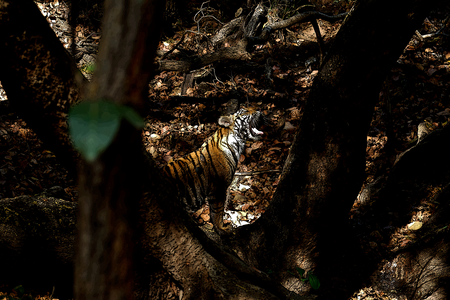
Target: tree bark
{"points": [[110, 186], [39, 76], [325, 168], [421, 266], [203, 270]]}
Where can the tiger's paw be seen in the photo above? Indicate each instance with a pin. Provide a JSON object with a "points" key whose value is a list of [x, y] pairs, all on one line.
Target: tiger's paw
{"points": [[223, 230]]}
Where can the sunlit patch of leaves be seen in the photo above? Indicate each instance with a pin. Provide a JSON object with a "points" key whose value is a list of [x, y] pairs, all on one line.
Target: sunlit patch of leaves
{"points": [[19, 293]]}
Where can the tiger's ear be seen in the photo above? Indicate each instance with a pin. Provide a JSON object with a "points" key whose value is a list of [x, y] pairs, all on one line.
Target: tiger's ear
{"points": [[225, 121]]}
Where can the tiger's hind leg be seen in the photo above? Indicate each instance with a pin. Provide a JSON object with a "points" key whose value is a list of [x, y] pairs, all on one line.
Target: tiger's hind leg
{"points": [[216, 213]]}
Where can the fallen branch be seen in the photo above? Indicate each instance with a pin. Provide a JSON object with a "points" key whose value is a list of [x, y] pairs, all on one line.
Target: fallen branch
{"points": [[306, 17], [299, 18], [439, 32], [233, 53], [240, 52], [226, 30]]}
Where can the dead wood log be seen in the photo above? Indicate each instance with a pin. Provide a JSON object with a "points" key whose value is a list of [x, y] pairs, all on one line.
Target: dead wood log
{"points": [[241, 51], [232, 53], [255, 21], [188, 79], [306, 17], [225, 31]]}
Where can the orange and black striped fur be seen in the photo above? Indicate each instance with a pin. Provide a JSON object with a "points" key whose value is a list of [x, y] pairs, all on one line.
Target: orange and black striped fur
{"points": [[204, 175]]}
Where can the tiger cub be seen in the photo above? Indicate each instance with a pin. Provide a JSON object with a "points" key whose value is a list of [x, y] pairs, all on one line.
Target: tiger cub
{"points": [[205, 174]]}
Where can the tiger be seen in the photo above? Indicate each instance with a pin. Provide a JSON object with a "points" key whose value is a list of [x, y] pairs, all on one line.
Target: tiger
{"points": [[203, 176]]}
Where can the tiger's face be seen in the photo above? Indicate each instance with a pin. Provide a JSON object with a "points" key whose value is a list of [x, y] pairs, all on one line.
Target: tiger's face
{"points": [[244, 123]]}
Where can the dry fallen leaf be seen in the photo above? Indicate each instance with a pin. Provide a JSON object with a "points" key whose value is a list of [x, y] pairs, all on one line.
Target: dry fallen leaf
{"points": [[257, 145], [415, 225], [288, 126]]}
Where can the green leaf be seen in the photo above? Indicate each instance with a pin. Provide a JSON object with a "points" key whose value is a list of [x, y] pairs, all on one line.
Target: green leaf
{"points": [[93, 126], [314, 281], [132, 116], [90, 68], [300, 271], [19, 290]]}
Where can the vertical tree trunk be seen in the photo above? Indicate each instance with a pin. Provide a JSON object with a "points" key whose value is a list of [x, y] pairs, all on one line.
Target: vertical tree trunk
{"points": [[38, 75], [110, 187]]}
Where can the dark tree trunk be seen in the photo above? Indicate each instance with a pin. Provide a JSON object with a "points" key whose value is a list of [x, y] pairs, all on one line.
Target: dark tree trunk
{"points": [[110, 186], [325, 169], [39, 76], [420, 265]]}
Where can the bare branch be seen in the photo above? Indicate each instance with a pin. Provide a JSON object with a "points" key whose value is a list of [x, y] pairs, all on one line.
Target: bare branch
{"points": [[439, 32], [305, 17]]}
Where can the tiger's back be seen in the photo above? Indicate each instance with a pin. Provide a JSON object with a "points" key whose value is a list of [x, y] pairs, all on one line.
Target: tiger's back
{"points": [[203, 172]]}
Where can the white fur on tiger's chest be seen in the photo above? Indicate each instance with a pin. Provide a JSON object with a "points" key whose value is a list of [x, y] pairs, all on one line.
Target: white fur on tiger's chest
{"points": [[232, 146]]}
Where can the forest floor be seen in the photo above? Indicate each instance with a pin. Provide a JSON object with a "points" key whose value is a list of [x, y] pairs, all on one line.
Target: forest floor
{"points": [[416, 90]]}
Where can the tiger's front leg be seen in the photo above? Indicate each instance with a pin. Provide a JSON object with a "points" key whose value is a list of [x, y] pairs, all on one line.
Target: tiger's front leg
{"points": [[216, 213]]}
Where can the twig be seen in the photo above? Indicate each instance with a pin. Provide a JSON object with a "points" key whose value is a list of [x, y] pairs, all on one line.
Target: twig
{"points": [[422, 37], [209, 16], [268, 71], [214, 73], [256, 172], [203, 16], [51, 296], [191, 31]]}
